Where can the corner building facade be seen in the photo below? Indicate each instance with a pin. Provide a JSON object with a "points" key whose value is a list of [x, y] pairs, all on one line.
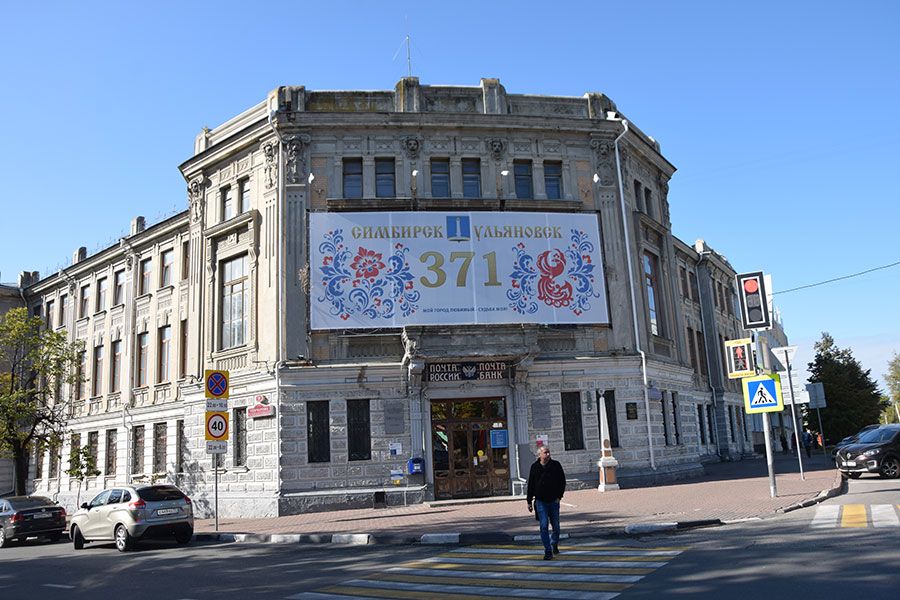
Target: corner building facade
{"points": [[410, 290]]}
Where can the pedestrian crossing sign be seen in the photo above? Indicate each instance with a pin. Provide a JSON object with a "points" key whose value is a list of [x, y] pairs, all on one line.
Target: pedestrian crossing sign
{"points": [[762, 394]]}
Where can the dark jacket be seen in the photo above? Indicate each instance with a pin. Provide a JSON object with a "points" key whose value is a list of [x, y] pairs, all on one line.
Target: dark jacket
{"points": [[546, 483]]}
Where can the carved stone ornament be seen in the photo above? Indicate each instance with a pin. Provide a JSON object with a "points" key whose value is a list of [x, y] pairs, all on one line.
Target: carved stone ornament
{"points": [[195, 197], [130, 259], [411, 147], [496, 147], [603, 149], [294, 146], [663, 185], [270, 151]]}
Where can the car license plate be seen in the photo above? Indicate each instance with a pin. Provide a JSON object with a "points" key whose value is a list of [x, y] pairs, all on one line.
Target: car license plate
{"points": [[43, 515], [167, 511], [850, 463]]}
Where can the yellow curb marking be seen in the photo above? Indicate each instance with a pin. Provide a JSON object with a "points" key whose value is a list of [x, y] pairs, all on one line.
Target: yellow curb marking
{"points": [[853, 515]]}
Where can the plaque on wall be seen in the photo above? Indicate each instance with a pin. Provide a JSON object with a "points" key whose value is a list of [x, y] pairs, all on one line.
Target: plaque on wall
{"points": [[394, 422], [485, 370], [631, 411], [540, 413]]}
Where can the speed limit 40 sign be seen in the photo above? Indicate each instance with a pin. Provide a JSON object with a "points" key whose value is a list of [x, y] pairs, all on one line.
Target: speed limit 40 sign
{"points": [[216, 426]]}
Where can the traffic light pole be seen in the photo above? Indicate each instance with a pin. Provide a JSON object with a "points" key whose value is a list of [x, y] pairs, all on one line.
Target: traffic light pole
{"points": [[767, 433]]}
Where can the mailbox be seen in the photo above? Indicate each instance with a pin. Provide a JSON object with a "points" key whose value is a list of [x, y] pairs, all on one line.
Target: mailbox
{"points": [[415, 465]]}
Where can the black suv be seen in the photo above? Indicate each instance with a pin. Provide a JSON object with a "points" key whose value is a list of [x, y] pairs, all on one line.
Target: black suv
{"points": [[876, 451]]}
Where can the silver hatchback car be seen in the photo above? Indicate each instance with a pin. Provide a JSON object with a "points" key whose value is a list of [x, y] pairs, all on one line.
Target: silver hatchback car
{"points": [[126, 514]]}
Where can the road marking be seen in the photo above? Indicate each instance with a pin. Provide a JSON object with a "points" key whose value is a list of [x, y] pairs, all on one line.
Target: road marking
{"points": [[60, 586], [884, 515], [826, 516], [579, 572], [853, 515]]}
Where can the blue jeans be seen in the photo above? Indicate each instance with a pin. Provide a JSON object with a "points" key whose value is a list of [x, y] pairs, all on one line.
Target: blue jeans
{"points": [[548, 514]]}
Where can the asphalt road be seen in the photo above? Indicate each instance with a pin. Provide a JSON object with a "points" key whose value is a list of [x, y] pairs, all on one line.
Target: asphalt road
{"points": [[847, 547]]}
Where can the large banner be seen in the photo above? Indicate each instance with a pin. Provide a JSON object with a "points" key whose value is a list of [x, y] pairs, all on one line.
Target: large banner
{"points": [[390, 269]]}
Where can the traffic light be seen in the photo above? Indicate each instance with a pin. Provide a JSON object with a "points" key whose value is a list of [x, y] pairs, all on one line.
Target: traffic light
{"points": [[754, 301]]}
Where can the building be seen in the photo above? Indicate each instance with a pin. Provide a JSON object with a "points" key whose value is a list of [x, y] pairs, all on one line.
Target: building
{"points": [[410, 289]]}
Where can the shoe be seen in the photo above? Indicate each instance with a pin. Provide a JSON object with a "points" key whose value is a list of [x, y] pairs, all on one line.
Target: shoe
{"points": [[548, 556], [555, 548]]}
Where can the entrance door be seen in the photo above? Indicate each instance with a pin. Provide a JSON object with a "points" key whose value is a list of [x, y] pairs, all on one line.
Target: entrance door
{"points": [[465, 462]]}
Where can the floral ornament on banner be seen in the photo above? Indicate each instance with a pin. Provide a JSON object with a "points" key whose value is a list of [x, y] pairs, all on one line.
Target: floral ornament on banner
{"points": [[364, 283], [559, 279]]}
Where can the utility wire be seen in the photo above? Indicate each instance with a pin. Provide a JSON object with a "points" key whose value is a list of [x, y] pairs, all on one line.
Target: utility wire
{"points": [[803, 287]]}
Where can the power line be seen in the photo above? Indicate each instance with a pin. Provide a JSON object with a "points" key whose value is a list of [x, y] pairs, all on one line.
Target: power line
{"points": [[803, 287]]}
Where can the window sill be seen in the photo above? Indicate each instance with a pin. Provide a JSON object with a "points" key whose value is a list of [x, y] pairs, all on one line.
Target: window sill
{"points": [[240, 469], [233, 223]]}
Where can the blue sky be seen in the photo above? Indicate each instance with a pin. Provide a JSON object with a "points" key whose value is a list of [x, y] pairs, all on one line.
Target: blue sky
{"points": [[782, 117]]}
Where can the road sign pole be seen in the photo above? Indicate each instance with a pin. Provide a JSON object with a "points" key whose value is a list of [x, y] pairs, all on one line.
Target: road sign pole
{"points": [[216, 488], [766, 430], [787, 363]]}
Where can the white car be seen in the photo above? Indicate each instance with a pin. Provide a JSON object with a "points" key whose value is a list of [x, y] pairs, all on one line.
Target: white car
{"points": [[126, 514]]}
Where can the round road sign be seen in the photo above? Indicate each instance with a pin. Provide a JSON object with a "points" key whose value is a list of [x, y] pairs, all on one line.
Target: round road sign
{"points": [[217, 385], [216, 426]]}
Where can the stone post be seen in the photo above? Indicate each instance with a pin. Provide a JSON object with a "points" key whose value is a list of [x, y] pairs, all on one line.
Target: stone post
{"points": [[607, 463]]}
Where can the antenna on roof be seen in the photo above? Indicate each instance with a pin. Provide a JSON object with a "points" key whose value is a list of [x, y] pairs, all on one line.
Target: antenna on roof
{"points": [[408, 42]]}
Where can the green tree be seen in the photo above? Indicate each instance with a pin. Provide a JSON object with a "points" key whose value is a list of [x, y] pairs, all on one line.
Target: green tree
{"points": [[34, 362], [853, 397], [82, 464], [892, 377]]}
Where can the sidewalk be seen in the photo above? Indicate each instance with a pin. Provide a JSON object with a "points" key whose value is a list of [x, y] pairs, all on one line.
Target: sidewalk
{"points": [[727, 492]]}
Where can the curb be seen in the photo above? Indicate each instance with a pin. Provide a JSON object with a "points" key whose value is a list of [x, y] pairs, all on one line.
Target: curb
{"points": [[841, 488]]}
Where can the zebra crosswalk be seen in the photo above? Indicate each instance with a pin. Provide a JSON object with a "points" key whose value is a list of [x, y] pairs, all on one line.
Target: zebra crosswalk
{"points": [[579, 572], [832, 516]]}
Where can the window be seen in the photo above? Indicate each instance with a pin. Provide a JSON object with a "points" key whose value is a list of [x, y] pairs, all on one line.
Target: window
{"points": [[137, 450], [318, 432], [115, 497], [143, 343], [664, 406], [166, 260], [118, 288], [244, 195], [572, 429], [74, 446], [234, 302], [638, 196], [179, 446], [553, 180], [240, 437], [648, 203], [63, 310], [115, 366], [226, 197], [695, 290], [701, 354], [709, 422], [48, 315], [524, 183], [675, 426], [185, 259], [164, 344], [353, 185], [159, 447], [182, 350], [384, 178], [682, 278], [54, 462], [440, 178], [85, 301], [731, 422], [471, 175], [359, 431], [692, 349], [612, 419], [700, 427], [80, 373], [101, 294], [39, 463], [112, 446], [97, 375], [144, 284], [650, 281], [93, 445]]}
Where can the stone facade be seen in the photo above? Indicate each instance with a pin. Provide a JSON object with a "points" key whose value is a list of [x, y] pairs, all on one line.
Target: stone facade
{"points": [[236, 297]]}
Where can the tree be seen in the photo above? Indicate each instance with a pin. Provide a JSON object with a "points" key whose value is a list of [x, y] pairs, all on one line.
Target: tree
{"points": [[892, 377], [82, 464], [854, 399], [34, 363]]}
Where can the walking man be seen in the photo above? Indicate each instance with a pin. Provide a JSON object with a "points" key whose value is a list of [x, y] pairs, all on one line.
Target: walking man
{"points": [[546, 485], [807, 443]]}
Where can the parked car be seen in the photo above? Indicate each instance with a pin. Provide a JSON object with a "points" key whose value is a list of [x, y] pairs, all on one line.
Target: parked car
{"points": [[876, 451], [850, 439], [30, 516], [127, 514]]}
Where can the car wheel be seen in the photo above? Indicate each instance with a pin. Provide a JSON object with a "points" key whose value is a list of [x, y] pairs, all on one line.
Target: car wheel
{"points": [[183, 536], [123, 539], [5, 542], [890, 468], [77, 538]]}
